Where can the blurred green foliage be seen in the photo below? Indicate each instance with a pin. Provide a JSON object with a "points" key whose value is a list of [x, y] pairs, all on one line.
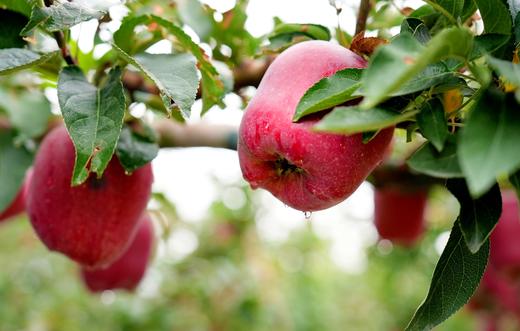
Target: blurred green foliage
{"points": [[234, 280]]}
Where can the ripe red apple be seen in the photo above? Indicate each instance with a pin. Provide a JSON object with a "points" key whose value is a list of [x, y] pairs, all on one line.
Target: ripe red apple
{"points": [[17, 206], [505, 251], [399, 213], [306, 170], [91, 223], [127, 271]]}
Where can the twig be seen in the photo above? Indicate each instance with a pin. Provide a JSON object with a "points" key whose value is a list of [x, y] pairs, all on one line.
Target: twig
{"points": [[60, 39], [364, 9]]}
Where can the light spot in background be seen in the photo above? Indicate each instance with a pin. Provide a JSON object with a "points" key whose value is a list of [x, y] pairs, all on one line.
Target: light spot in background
{"points": [[220, 5], [107, 297], [161, 47], [137, 109], [51, 94], [233, 198], [441, 241], [150, 286], [83, 34], [291, 259], [100, 50], [385, 247], [181, 243]]}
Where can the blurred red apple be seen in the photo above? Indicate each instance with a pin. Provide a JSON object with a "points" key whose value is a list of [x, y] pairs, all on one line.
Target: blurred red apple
{"points": [[91, 223], [399, 213], [17, 206], [306, 170], [505, 250], [128, 270]]}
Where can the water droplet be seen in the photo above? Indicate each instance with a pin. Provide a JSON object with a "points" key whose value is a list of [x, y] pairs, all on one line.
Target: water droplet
{"points": [[307, 215]]}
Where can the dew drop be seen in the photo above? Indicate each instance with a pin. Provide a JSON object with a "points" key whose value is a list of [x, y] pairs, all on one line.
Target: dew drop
{"points": [[307, 215]]}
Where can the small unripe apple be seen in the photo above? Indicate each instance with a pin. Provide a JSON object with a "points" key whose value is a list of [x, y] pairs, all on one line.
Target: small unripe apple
{"points": [[306, 170], [505, 251], [399, 213], [17, 206], [91, 223], [127, 271]]}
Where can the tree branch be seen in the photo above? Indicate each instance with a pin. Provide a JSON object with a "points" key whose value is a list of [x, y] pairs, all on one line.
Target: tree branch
{"points": [[364, 10]]}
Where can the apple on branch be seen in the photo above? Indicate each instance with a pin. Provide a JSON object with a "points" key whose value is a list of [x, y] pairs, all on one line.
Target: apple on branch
{"points": [[306, 170]]}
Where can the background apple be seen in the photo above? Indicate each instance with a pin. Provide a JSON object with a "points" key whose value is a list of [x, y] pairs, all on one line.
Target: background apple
{"points": [[306, 170], [505, 251], [128, 270], [399, 213], [91, 223]]}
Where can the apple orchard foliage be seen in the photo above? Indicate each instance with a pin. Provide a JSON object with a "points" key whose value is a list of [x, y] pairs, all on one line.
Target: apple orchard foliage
{"points": [[469, 146]]}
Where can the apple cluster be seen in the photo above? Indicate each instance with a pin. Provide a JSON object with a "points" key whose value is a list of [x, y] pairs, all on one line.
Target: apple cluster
{"points": [[101, 224]]}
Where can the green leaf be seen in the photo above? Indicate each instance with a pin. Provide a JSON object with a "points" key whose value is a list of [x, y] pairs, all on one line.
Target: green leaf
{"points": [[454, 9], [16, 59], [28, 111], [175, 75], [12, 24], [124, 37], [495, 16], [417, 29], [20, 6], [313, 31], [349, 120], [509, 70], [487, 44], [427, 160], [433, 75], [515, 181], [14, 162], [329, 92], [64, 14], [213, 90], [395, 64], [433, 124], [93, 116], [454, 281], [134, 150], [477, 217], [488, 144]]}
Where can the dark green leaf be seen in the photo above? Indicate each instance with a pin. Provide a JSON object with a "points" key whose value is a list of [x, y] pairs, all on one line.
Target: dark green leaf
{"points": [[64, 14], [349, 120], [487, 44], [489, 141], [313, 31], [93, 116], [124, 37], [477, 217], [134, 150], [495, 16], [433, 124], [395, 64], [14, 161], [454, 280], [16, 59], [175, 75], [434, 74], [427, 160], [329, 92], [12, 24], [417, 29], [509, 70]]}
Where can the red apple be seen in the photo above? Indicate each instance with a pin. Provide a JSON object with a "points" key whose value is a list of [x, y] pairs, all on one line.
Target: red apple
{"points": [[306, 170], [17, 206], [91, 223], [128, 270], [505, 251], [399, 213]]}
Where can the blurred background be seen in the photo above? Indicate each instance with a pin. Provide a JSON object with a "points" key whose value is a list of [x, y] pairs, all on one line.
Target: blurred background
{"points": [[227, 257]]}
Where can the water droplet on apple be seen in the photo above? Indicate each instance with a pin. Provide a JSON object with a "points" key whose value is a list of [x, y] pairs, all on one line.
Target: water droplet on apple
{"points": [[307, 214]]}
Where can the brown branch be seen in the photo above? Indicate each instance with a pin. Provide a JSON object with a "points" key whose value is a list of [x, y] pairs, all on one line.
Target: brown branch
{"points": [[62, 44], [174, 134], [364, 10]]}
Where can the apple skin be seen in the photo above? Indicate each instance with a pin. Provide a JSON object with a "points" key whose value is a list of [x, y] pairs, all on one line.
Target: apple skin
{"points": [[399, 213], [91, 223], [505, 252], [306, 170], [127, 271], [17, 206]]}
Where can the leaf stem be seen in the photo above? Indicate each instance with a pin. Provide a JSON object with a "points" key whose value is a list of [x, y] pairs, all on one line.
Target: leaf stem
{"points": [[364, 9], [62, 44]]}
